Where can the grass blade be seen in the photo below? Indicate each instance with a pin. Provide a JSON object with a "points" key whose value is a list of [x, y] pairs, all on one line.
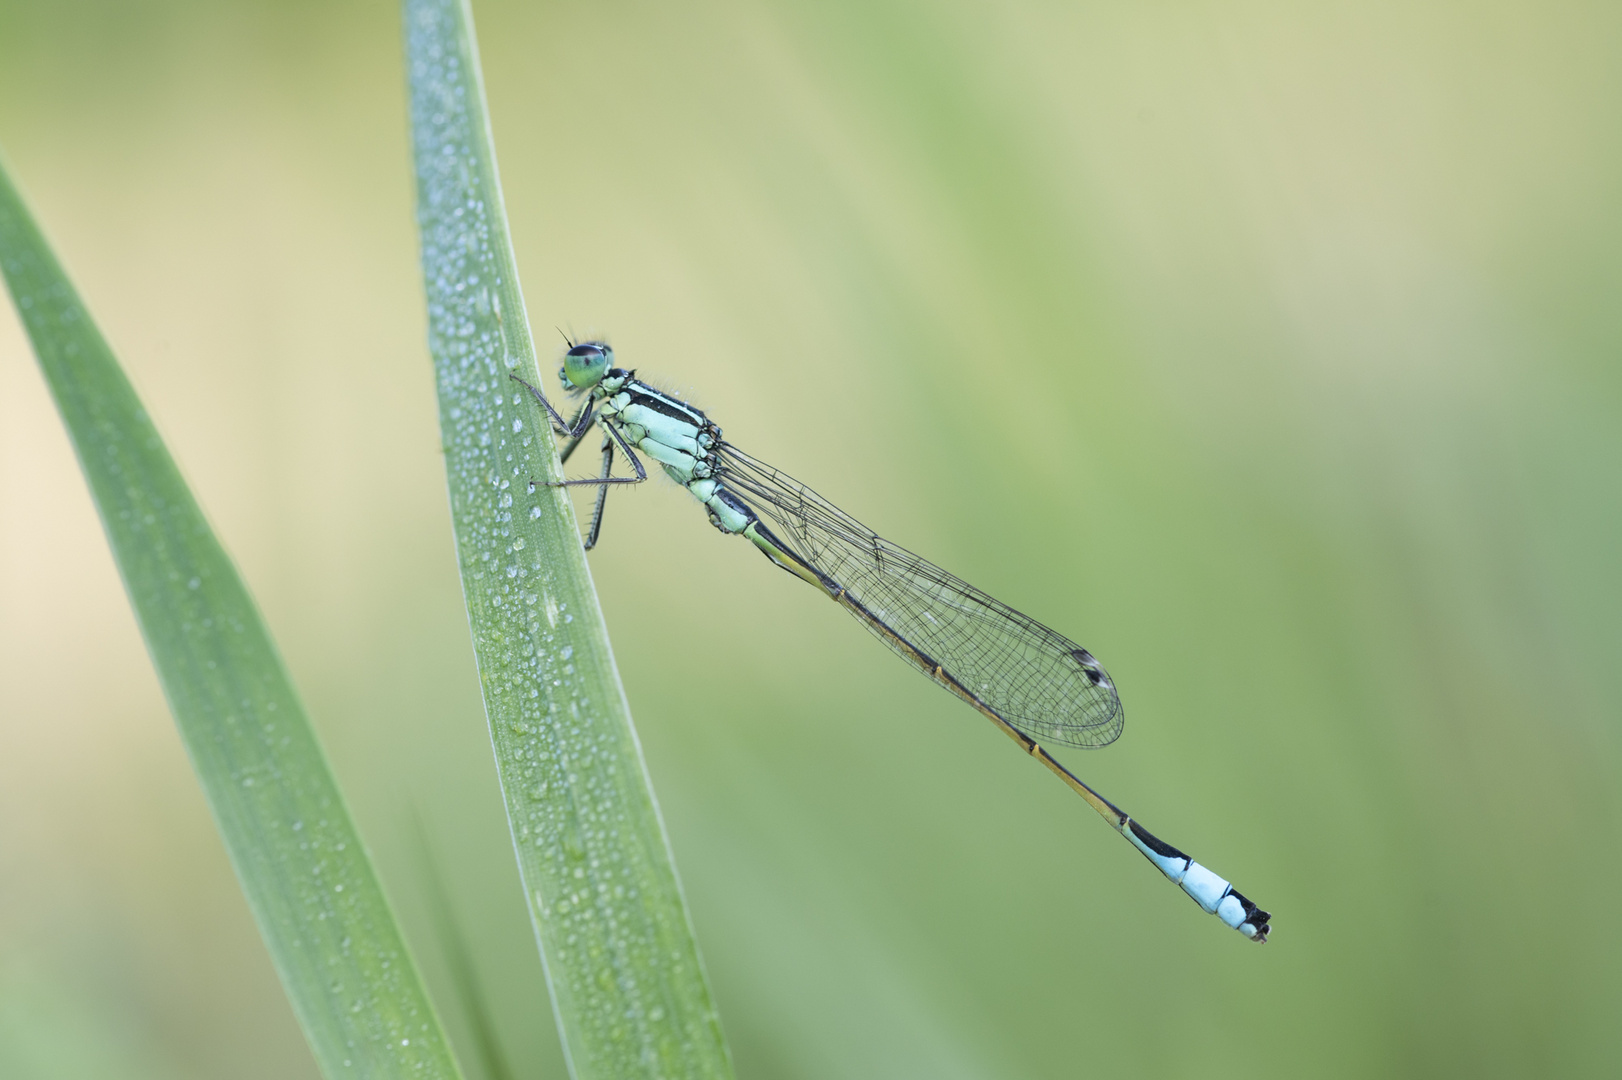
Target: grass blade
{"points": [[627, 984], [307, 878], [476, 1008]]}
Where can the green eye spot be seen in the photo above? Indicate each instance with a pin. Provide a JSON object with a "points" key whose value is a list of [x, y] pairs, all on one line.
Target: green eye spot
{"points": [[585, 364]]}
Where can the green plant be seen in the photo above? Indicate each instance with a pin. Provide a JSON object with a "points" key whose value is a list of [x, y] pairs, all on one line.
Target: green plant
{"points": [[627, 982], [303, 868]]}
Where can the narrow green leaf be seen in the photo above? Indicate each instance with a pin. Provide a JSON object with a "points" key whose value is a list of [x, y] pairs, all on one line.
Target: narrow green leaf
{"points": [[301, 863], [627, 984]]}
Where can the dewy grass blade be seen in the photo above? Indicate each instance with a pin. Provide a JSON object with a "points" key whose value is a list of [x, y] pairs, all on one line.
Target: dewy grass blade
{"points": [[629, 991], [301, 863]]}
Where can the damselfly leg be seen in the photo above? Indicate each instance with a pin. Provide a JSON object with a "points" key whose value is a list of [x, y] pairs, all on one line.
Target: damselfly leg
{"points": [[576, 430], [570, 446], [602, 494]]}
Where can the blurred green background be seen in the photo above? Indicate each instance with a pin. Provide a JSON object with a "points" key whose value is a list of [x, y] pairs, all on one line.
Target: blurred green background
{"points": [[1271, 350]]}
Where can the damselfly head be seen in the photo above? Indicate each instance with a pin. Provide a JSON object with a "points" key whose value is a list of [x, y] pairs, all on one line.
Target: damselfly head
{"points": [[585, 364]]}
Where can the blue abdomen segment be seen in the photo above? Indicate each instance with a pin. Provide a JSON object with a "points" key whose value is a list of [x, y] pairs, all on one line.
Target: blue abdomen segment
{"points": [[727, 512], [1215, 894], [731, 514]]}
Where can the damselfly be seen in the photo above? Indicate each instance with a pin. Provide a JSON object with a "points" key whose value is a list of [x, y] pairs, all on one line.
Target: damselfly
{"points": [[1032, 682]]}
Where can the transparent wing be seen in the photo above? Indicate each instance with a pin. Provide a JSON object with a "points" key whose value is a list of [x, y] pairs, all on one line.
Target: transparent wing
{"points": [[1035, 678]]}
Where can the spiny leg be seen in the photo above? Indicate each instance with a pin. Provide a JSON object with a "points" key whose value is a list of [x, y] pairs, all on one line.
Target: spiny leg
{"points": [[602, 494], [569, 447], [625, 447], [574, 430]]}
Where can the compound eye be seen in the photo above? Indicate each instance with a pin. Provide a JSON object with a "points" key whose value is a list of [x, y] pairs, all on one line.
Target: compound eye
{"points": [[585, 364]]}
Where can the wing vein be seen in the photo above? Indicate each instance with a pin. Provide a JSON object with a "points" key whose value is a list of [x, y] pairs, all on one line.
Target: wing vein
{"points": [[1037, 679]]}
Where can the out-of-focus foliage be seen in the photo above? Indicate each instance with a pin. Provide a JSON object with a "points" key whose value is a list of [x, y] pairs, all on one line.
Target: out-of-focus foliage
{"points": [[1268, 351], [303, 869]]}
